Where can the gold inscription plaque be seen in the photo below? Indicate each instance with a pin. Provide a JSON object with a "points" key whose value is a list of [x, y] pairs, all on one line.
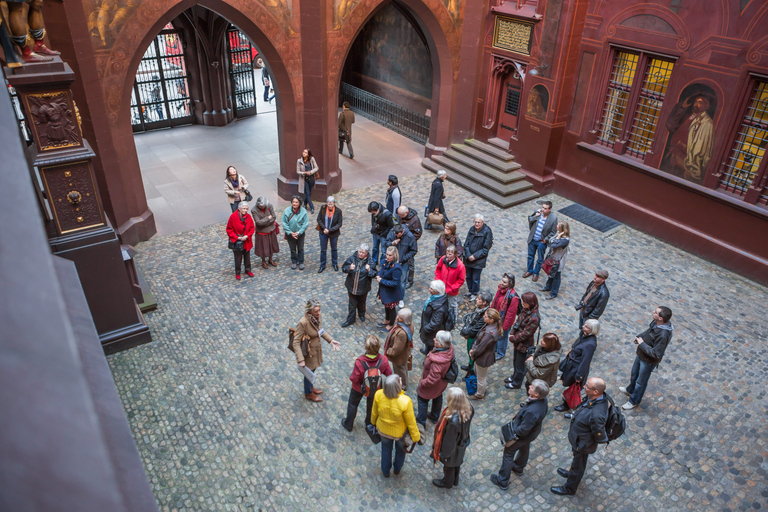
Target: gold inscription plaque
{"points": [[512, 35]]}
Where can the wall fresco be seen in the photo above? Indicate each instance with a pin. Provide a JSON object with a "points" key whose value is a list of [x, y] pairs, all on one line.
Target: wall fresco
{"points": [[342, 9], [538, 102]]}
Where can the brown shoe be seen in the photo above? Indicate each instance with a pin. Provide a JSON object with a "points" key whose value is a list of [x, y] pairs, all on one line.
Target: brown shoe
{"points": [[272, 263], [535, 278], [317, 391], [313, 397], [264, 264], [527, 275]]}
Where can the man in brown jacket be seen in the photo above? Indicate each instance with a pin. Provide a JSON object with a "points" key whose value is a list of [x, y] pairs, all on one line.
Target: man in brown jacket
{"points": [[399, 342], [346, 120]]}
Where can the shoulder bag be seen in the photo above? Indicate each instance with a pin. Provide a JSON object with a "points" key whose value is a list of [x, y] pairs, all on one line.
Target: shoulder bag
{"points": [[304, 342], [435, 218]]}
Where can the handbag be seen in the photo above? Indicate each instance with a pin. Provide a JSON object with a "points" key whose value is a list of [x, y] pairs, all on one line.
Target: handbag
{"points": [[507, 435], [572, 395], [471, 382], [550, 266], [238, 246], [342, 134], [277, 228], [373, 433], [304, 342], [248, 195], [435, 218]]}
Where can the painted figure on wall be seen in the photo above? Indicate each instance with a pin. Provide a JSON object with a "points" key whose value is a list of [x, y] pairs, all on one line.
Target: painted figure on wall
{"points": [[342, 10], [453, 8], [691, 134], [107, 18], [538, 102]]}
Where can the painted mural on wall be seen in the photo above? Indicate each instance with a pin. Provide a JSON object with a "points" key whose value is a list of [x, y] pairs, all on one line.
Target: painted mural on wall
{"points": [[538, 102], [691, 138], [106, 18], [391, 50], [453, 8], [341, 9]]}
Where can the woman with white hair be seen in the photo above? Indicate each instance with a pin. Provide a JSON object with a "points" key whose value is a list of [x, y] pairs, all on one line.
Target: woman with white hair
{"points": [[575, 366], [452, 436], [390, 291], [265, 242], [392, 414], [432, 384], [329, 227], [360, 270], [240, 230], [434, 315]]}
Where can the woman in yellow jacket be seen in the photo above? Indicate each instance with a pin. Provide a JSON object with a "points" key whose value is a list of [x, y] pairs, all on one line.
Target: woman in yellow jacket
{"points": [[392, 413]]}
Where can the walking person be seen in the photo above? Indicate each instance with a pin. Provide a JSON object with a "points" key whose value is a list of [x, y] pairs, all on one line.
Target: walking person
{"points": [[651, 345], [392, 414], [559, 248], [295, 224], [399, 344], [235, 185], [362, 367], [525, 428], [410, 219], [346, 120], [477, 244], [542, 225], [473, 322], [483, 350], [447, 238], [431, 385], [451, 271], [436, 196], [544, 362], [329, 222], [402, 238], [310, 326], [390, 291], [506, 302], [575, 366], [265, 241], [593, 302], [240, 228], [265, 82], [522, 336], [586, 432], [381, 223], [306, 168], [434, 315], [452, 437], [394, 196], [360, 272]]}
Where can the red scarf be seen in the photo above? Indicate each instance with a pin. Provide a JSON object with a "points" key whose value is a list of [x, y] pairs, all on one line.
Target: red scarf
{"points": [[330, 211]]}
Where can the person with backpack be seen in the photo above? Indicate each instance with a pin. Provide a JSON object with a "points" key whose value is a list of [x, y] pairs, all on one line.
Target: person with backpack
{"points": [[509, 305], [588, 429], [434, 316], [452, 437], [484, 350], [522, 336], [367, 377], [473, 322], [432, 382], [451, 271], [392, 414], [399, 343]]}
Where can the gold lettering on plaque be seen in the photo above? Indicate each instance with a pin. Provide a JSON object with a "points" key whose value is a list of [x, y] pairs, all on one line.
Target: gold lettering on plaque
{"points": [[535, 128], [513, 35]]}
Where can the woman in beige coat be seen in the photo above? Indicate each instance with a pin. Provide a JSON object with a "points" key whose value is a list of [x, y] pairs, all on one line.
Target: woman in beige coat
{"points": [[307, 170], [399, 343], [310, 326], [235, 185]]}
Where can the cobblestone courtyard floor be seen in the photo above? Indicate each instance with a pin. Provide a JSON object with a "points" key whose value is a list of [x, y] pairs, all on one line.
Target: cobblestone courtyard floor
{"points": [[216, 407]]}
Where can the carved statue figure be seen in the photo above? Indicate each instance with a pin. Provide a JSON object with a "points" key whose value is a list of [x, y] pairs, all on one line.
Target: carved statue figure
{"points": [[53, 120], [32, 49]]}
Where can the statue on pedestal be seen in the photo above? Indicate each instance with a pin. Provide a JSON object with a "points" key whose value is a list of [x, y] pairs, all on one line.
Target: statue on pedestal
{"points": [[27, 34]]}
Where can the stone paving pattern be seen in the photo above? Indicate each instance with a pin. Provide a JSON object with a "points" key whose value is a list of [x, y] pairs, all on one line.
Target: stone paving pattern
{"points": [[216, 407]]}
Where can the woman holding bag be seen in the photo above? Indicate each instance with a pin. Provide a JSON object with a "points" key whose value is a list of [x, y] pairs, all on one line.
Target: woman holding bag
{"points": [[452, 437], [392, 414], [307, 169], [240, 229], [544, 361], [310, 326], [483, 350], [558, 250], [575, 366], [236, 187]]}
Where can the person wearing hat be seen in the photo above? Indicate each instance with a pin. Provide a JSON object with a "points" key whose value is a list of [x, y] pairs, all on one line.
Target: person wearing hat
{"points": [[594, 300], [394, 197]]}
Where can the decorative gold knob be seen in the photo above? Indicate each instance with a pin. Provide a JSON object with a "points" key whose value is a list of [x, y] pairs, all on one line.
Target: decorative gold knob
{"points": [[74, 197]]}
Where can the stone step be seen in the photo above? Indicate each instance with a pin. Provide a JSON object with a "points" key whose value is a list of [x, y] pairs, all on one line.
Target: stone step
{"points": [[483, 165], [490, 149], [484, 175], [502, 165], [499, 143], [502, 201]]}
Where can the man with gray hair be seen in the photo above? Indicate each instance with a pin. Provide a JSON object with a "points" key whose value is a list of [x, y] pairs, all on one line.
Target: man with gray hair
{"points": [[329, 227], [477, 245], [436, 196], [518, 435], [410, 218], [434, 315]]}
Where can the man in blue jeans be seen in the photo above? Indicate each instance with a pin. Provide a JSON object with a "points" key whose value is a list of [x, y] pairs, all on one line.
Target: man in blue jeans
{"points": [[543, 227], [651, 346], [381, 223]]}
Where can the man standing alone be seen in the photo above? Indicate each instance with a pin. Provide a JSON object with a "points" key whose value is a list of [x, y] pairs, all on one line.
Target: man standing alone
{"points": [[346, 120], [543, 226]]}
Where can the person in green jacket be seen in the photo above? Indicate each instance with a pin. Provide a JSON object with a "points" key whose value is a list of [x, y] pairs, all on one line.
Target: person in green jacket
{"points": [[295, 223]]}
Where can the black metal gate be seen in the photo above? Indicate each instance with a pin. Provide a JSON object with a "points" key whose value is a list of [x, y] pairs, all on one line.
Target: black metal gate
{"points": [[241, 55], [160, 95]]}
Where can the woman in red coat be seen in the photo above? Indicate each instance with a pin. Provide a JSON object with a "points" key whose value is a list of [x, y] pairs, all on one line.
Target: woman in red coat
{"points": [[240, 227]]}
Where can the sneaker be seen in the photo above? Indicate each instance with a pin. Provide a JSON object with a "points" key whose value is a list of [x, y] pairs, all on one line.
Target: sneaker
{"points": [[497, 483], [624, 390], [293, 266], [628, 406], [301, 266], [401, 304]]}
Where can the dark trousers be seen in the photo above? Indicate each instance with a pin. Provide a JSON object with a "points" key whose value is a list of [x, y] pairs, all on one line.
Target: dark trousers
{"points": [[390, 315], [297, 248], [324, 249], [578, 466], [349, 147], [356, 303], [451, 476], [234, 206], [519, 365], [386, 455], [473, 280], [434, 415], [515, 458], [411, 272], [404, 275], [355, 397], [308, 184], [553, 284], [266, 93], [470, 342], [239, 257]]}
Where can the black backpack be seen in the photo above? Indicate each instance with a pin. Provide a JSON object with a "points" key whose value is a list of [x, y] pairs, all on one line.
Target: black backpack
{"points": [[450, 320], [371, 378], [616, 424], [452, 373]]}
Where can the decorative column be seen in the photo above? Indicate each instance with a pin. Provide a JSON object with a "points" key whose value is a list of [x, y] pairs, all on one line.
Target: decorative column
{"points": [[77, 226]]}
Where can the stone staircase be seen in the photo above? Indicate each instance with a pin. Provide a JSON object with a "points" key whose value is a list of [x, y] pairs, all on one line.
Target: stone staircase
{"points": [[486, 170]]}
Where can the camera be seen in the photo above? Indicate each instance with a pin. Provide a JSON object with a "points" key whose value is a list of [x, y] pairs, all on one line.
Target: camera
{"points": [[579, 306]]}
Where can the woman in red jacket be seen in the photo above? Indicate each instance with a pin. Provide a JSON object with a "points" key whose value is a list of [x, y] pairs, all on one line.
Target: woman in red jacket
{"points": [[506, 303], [450, 270], [432, 384], [240, 228], [371, 359]]}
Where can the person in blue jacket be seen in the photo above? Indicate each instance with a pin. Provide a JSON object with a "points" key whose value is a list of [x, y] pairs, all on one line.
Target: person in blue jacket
{"points": [[390, 291], [295, 224]]}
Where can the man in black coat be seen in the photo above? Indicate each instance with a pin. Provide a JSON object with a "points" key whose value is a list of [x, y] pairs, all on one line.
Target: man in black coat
{"points": [[410, 218], [360, 270], [434, 316], [651, 346], [329, 228], [436, 196], [594, 300], [402, 238], [476, 247], [526, 426], [381, 222], [575, 364], [586, 432]]}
